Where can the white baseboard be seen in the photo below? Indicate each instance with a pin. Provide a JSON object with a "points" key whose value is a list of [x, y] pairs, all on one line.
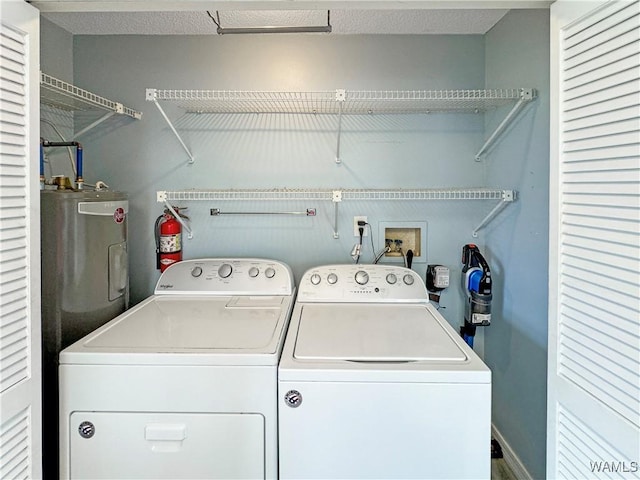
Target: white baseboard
{"points": [[510, 457]]}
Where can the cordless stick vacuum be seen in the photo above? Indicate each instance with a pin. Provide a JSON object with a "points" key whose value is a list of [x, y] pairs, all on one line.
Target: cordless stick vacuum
{"points": [[476, 283]]}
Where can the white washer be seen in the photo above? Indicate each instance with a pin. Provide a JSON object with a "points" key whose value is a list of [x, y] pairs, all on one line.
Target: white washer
{"points": [[184, 384], [373, 383]]}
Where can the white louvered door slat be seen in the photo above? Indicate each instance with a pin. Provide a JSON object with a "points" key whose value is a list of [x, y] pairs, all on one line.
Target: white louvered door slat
{"points": [[594, 253], [20, 405]]}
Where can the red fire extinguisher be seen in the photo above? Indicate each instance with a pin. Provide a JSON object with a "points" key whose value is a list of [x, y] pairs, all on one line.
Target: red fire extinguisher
{"points": [[168, 233]]}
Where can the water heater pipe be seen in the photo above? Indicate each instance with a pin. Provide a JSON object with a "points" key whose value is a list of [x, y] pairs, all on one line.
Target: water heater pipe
{"points": [[79, 158]]}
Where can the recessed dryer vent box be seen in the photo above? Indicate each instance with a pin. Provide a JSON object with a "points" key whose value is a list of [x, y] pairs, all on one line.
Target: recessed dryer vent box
{"points": [[402, 237]]}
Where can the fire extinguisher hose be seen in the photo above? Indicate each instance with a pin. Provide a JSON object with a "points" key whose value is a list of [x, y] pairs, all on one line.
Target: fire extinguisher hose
{"points": [[156, 233]]}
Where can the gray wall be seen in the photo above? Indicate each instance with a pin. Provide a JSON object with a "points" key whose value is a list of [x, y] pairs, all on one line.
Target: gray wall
{"points": [[297, 151], [517, 53]]}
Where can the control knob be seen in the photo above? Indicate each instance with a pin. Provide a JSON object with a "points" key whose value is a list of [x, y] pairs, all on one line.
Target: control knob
{"points": [[253, 272], [361, 277], [332, 278], [315, 279], [196, 272], [408, 279], [391, 279], [225, 270], [270, 272]]}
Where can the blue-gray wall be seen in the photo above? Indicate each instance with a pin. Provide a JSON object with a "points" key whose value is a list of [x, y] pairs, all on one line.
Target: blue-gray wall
{"points": [[517, 53], [293, 151], [297, 151], [56, 59]]}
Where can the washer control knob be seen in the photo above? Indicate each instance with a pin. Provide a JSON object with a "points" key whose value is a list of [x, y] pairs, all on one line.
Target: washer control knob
{"points": [[332, 278], [253, 272], [408, 279], [225, 270], [270, 272], [196, 272], [391, 279], [315, 279], [362, 277], [293, 398]]}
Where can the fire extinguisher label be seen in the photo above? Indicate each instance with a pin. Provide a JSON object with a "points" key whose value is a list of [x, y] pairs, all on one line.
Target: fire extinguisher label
{"points": [[170, 243]]}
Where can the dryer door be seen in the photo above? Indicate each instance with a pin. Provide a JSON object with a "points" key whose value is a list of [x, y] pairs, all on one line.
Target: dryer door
{"points": [[110, 445]]}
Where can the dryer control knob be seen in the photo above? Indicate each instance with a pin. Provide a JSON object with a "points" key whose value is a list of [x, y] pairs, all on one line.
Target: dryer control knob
{"points": [[293, 398], [391, 279], [362, 277], [270, 272], [315, 279], [253, 272], [225, 270], [196, 272], [408, 279], [332, 278]]}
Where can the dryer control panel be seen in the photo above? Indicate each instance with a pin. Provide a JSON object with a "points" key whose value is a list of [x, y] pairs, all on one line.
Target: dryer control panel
{"points": [[226, 276], [362, 283]]}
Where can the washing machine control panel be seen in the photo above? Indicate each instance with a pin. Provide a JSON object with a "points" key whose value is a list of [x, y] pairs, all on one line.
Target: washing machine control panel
{"points": [[361, 283], [226, 276]]}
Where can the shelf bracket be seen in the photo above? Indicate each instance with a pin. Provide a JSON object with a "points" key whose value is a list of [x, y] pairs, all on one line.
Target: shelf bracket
{"points": [[336, 198], [151, 97], [180, 219], [341, 96], [162, 197], [508, 196], [94, 124], [526, 95]]}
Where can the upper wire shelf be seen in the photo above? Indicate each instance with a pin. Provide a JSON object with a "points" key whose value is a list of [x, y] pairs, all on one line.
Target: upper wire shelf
{"points": [[336, 195], [338, 101], [345, 102], [65, 96]]}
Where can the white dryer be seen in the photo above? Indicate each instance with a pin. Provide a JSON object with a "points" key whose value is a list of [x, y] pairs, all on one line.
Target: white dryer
{"points": [[373, 383], [183, 385]]}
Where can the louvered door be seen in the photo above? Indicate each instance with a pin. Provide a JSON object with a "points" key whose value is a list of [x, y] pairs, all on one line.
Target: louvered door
{"points": [[20, 417], [594, 296]]}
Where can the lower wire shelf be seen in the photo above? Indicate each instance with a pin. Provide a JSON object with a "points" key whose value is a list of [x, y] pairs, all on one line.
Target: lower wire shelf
{"points": [[504, 197]]}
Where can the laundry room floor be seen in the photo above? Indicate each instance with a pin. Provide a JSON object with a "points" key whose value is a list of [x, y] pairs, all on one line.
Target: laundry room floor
{"points": [[500, 470]]}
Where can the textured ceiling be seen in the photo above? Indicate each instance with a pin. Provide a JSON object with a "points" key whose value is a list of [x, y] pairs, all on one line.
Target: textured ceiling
{"points": [[342, 21]]}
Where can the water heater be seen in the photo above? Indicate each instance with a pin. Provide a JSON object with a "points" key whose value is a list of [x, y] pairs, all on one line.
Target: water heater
{"points": [[85, 283]]}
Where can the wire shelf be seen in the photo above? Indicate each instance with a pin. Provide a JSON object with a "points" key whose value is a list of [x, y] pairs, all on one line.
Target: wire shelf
{"points": [[332, 102], [65, 96], [330, 194]]}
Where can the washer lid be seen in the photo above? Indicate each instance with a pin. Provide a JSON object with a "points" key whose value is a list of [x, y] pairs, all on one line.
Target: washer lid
{"points": [[189, 330], [194, 323], [373, 333]]}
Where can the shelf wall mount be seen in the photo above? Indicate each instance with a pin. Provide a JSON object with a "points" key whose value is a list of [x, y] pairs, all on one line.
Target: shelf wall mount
{"points": [[508, 196], [162, 197], [337, 196], [526, 96], [151, 96], [59, 94]]}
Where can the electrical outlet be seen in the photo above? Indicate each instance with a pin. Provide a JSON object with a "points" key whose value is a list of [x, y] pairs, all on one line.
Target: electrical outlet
{"points": [[356, 227]]}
